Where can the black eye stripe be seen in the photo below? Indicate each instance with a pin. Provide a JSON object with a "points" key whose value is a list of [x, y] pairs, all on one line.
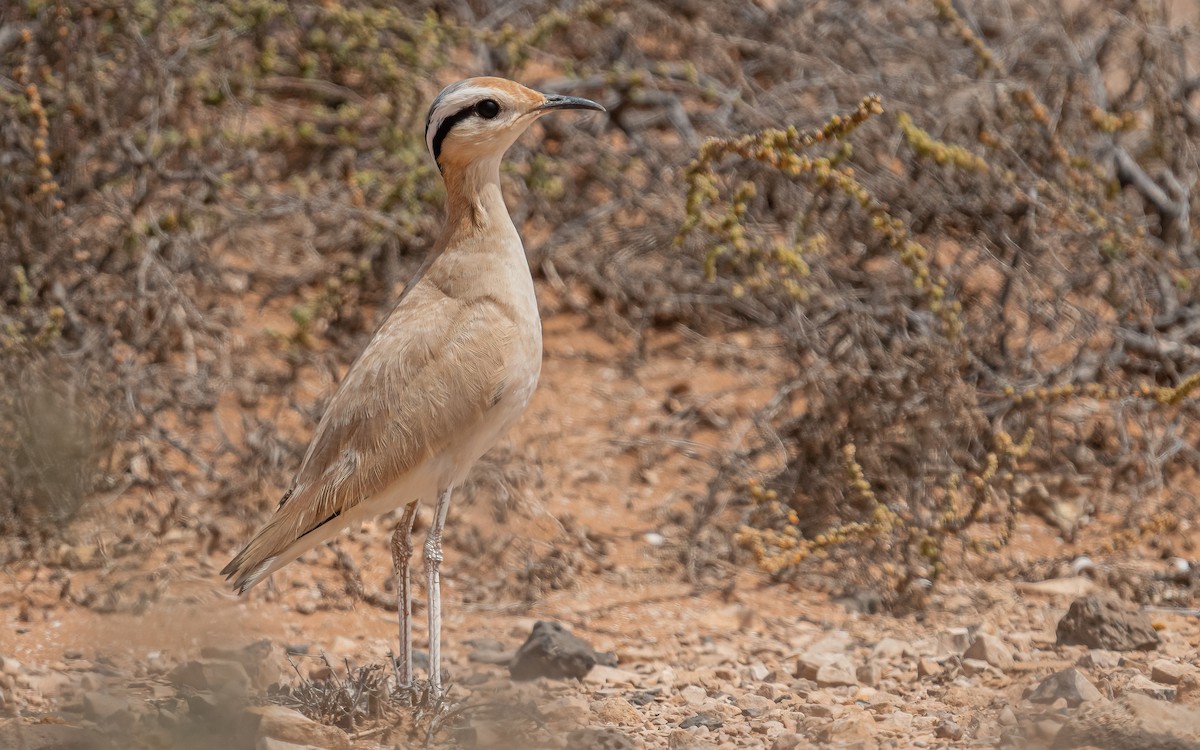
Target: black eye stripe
{"points": [[444, 130]]}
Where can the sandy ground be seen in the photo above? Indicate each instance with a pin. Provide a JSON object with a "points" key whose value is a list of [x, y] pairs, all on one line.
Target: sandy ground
{"points": [[606, 473]]}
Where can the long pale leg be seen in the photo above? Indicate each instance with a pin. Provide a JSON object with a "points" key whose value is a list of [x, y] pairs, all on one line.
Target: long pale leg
{"points": [[433, 564], [402, 549]]}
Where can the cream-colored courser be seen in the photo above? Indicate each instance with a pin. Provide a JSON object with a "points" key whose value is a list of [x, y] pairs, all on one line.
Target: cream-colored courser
{"points": [[447, 373]]}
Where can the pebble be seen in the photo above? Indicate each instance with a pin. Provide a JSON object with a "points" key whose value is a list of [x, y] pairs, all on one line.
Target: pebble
{"points": [[1169, 672], [869, 674], [1146, 686], [1069, 685], [990, 649], [1102, 621], [617, 710], [694, 695]]}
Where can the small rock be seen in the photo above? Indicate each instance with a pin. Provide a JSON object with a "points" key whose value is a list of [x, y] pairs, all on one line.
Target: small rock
{"points": [[811, 662], [1188, 691], [893, 649], [682, 739], [617, 710], [1069, 684], [792, 742], [599, 739], [1047, 729], [927, 668], [204, 705], [972, 667], [1141, 684], [552, 651], [856, 724], [1169, 672], [992, 650], [1006, 717], [753, 705], [99, 706], [255, 659], [1099, 658], [702, 720], [869, 674], [694, 695], [900, 719], [1104, 622], [834, 675], [759, 672], [948, 730], [957, 639], [217, 675], [288, 725]]}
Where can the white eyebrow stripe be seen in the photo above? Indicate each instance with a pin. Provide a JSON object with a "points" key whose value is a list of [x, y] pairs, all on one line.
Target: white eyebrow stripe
{"points": [[451, 101]]}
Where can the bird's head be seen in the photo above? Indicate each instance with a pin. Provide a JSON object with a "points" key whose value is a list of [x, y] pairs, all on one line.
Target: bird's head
{"points": [[477, 119]]}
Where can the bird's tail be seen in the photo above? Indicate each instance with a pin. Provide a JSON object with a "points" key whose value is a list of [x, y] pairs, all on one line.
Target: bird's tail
{"points": [[274, 546]]}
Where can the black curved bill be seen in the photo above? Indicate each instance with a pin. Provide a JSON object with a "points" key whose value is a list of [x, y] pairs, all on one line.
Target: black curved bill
{"points": [[556, 101]]}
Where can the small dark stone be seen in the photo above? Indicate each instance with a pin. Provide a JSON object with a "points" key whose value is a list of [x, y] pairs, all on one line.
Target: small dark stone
{"points": [[300, 649], [948, 730], [702, 720], [552, 651], [1104, 622], [643, 697], [203, 705]]}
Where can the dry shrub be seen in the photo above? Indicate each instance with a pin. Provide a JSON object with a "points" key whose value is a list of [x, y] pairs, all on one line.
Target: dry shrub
{"points": [[176, 178], [973, 310]]}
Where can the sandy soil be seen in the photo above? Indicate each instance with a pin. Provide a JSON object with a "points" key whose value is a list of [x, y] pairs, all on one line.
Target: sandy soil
{"points": [[606, 472]]}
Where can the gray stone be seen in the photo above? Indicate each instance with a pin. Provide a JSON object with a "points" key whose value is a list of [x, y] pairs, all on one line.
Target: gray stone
{"points": [[1105, 622], [599, 739], [702, 720], [551, 651], [1069, 684], [1145, 686]]}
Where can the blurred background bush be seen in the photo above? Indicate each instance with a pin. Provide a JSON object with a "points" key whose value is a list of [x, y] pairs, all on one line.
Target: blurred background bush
{"points": [[983, 279]]}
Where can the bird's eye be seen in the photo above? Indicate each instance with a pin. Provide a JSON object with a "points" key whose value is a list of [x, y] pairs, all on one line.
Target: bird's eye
{"points": [[487, 109]]}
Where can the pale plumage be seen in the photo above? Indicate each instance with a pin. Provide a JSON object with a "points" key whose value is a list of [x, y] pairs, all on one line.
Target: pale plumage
{"points": [[447, 373]]}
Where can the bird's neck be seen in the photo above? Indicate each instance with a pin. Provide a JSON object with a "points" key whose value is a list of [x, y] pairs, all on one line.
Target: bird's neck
{"points": [[475, 203]]}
